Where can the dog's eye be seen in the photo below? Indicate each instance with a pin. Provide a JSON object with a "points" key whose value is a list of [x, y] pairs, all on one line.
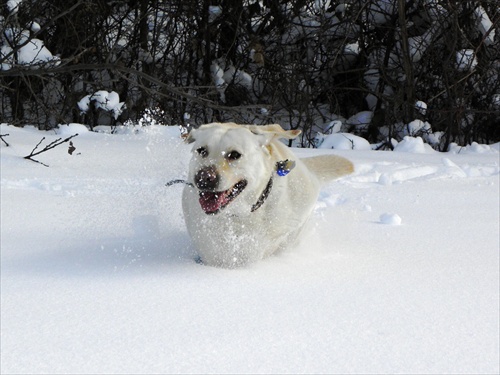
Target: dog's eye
{"points": [[202, 151], [233, 155]]}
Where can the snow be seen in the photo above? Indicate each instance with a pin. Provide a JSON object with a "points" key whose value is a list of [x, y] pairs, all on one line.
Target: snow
{"points": [[214, 11], [435, 10], [466, 60], [475, 148], [98, 273], [352, 48], [484, 25], [84, 103], [418, 126], [414, 145], [360, 120], [390, 219], [107, 101], [33, 53], [35, 27], [237, 76], [334, 126], [13, 6], [496, 100], [380, 12], [342, 141], [421, 107], [223, 76]]}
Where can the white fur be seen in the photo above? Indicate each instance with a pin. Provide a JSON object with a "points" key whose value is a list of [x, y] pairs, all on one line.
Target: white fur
{"points": [[236, 236]]}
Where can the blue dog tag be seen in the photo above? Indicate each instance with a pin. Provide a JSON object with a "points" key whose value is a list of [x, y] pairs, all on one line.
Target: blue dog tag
{"points": [[284, 167]]}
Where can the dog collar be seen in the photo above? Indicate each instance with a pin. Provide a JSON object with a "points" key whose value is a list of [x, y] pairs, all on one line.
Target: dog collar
{"points": [[263, 196], [282, 169]]}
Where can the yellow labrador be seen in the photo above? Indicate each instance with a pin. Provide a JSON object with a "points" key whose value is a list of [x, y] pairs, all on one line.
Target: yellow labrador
{"points": [[248, 194]]}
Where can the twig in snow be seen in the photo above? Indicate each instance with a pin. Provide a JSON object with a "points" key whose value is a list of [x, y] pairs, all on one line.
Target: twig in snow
{"points": [[3, 140], [50, 146]]}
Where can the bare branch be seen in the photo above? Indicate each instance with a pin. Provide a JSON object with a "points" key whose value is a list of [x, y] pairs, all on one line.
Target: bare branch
{"points": [[3, 140], [50, 146]]}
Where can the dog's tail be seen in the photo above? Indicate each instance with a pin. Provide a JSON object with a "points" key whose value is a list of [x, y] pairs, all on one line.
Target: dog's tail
{"points": [[328, 167]]}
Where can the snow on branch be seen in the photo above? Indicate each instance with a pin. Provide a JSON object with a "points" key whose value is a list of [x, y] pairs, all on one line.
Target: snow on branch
{"points": [[484, 25], [24, 50], [107, 101]]}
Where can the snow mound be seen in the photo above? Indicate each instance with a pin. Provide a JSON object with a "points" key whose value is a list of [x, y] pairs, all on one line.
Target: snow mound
{"points": [[417, 127], [70, 129], [413, 145], [474, 148], [390, 219], [343, 141]]}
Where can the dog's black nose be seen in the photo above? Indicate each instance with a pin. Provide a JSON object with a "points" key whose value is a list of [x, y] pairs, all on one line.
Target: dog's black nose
{"points": [[207, 178]]}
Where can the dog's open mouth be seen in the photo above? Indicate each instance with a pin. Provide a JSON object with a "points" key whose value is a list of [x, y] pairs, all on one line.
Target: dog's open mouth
{"points": [[213, 202]]}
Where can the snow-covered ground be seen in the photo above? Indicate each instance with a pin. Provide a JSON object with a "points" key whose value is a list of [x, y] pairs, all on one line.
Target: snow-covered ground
{"points": [[98, 276]]}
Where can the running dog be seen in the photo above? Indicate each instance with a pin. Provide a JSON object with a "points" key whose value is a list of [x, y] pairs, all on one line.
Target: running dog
{"points": [[247, 194]]}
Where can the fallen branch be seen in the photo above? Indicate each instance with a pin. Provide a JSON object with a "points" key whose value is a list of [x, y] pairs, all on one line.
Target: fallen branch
{"points": [[3, 140], [50, 146]]}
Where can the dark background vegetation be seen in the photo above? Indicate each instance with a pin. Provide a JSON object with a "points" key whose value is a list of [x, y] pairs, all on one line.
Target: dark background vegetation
{"points": [[306, 62]]}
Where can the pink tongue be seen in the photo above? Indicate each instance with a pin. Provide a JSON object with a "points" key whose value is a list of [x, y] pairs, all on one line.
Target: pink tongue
{"points": [[211, 202]]}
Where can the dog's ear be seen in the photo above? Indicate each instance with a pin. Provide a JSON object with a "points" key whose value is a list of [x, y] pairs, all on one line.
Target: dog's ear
{"points": [[273, 131]]}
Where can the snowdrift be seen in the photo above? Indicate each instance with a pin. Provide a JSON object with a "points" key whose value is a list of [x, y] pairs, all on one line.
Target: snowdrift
{"points": [[398, 270]]}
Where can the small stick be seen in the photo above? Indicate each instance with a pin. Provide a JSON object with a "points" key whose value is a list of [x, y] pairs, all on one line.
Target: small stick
{"points": [[3, 140]]}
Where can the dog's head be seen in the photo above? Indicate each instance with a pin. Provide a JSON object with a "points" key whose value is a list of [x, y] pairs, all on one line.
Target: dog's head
{"points": [[232, 164]]}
